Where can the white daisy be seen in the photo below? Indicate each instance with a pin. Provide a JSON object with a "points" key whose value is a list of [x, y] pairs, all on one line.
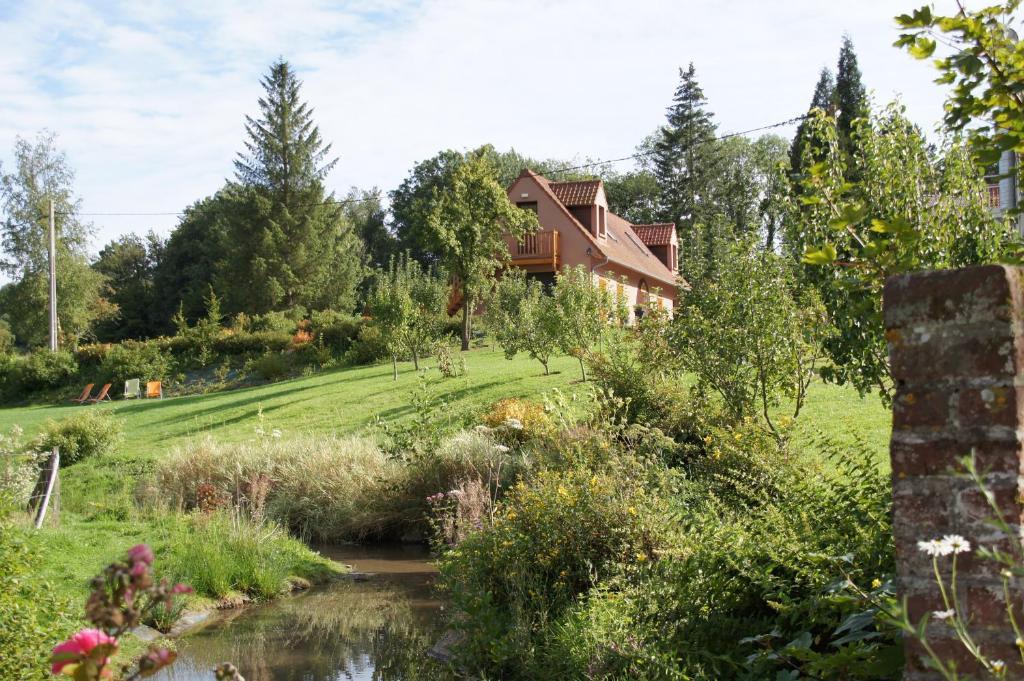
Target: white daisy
{"points": [[944, 614], [954, 543], [933, 547]]}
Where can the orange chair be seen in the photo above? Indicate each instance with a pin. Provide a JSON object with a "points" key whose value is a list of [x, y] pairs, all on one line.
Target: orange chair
{"points": [[84, 397], [154, 389], [103, 395]]}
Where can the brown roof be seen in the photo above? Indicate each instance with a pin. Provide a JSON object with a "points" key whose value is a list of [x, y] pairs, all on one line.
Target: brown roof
{"points": [[622, 246], [658, 234], [576, 193]]}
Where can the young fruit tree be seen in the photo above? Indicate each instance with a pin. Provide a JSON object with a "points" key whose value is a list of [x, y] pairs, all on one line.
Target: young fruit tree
{"points": [[583, 310], [523, 318], [467, 226]]}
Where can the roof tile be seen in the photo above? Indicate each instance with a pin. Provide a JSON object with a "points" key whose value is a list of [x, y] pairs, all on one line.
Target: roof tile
{"points": [[576, 193], [657, 234]]}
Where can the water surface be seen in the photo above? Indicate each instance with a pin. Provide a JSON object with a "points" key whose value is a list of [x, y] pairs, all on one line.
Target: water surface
{"points": [[378, 629]]}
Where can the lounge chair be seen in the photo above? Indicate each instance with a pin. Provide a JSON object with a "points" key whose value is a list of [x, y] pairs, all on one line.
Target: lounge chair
{"points": [[84, 397], [154, 389], [132, 388], [104, 394]]}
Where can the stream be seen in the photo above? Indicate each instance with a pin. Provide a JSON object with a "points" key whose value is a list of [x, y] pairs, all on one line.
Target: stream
{"points": [[376, 629]]}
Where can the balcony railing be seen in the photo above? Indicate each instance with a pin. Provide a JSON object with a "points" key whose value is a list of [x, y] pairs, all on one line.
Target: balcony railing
{"points": [[537, 249]]}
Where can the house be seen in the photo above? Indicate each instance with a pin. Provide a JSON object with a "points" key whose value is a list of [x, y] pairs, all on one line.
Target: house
{"points": [[576, 228], [1003, 193]]}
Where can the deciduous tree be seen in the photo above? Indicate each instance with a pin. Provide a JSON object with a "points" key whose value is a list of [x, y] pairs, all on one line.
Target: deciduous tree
{"points": [[523, 318]]}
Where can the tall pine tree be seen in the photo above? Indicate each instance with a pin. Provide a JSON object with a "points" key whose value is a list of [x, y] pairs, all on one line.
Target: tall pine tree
{"points": [[850, 97], [687, 165], [290, 242], [824, 92]]}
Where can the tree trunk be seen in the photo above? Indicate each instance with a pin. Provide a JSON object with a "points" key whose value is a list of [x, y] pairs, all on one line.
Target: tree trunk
{"points": [[583, 369], [394, 366], [546, 372], [415, 360], [465, 322]]}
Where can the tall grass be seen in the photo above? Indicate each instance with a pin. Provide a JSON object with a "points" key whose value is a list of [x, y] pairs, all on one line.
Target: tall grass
{"points": [[327, 488], [223, 552]]}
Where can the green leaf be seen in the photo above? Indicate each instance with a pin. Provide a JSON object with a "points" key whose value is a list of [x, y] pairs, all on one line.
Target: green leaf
{"points": [[922, 48], [825, 255]]}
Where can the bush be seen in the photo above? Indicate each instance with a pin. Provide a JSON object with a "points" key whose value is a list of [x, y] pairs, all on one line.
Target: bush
{"points": [[251, 343], [43, 370], [89, 433], [335, 331], [272, 366], [34, 619], [19, 470], [518, 419], [553, 540], [91, 356], [368, 348], [6, 338], [135, 359], [756, 567]]}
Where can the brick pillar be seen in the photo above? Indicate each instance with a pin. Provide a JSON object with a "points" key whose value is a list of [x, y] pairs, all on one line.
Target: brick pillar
{"points": [[956, 346]]}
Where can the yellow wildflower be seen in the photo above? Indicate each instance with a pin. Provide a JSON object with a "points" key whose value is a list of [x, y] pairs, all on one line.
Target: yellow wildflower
{"points": [[641, 556], [875, 583]]}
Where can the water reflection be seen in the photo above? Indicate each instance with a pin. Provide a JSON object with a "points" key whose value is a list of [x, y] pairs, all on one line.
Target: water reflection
{"points": [[379, 629]]}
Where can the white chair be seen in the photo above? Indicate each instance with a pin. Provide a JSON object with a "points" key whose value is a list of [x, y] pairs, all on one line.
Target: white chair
{"points": [[132, 388]]}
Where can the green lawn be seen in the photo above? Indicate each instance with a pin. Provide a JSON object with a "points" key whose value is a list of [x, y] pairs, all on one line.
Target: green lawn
{"points": [[100, 519]]}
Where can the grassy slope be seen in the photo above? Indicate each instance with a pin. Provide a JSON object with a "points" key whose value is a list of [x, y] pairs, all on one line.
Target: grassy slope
{"points": [[100, 521]]}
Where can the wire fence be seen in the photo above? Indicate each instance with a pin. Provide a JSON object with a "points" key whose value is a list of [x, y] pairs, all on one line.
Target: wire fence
{"points": [[30, 481]]}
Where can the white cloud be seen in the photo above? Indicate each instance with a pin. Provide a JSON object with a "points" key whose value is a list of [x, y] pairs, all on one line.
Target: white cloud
{"points": [[149, 99]]}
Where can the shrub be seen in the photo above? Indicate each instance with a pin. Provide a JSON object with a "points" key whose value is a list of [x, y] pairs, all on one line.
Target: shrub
{"points": [[272, 366], [334, 330], [33, 617], [89, 433], [554, 539], [518, 419], [450, 362], [44, 370], [135, 359], [91, 356], [6, 338], [19, 470], [251, 343], [759, 566], [369, 346]]}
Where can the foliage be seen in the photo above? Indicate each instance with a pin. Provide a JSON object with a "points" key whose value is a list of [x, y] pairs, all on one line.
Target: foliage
{"points": [[42, 370], [224, 553], [986, 67], [824, 91], [271, 366], [582, 310], [408, 301], [369, 346], [634, 196], [913, 208], [129, 264], [42, 174], [467, 225], [135, 359], [34, 616], [850, 99], [89, 433], [552, 540], [523, 318], [518, 420], [19, 470], [449, 361], [747, 337], [122, 596], [6, 338]]}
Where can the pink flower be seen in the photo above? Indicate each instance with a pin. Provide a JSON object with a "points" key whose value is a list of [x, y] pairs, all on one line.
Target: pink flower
{"points": [[181, 589], [140, 553], [139, 569], [78, 647]]}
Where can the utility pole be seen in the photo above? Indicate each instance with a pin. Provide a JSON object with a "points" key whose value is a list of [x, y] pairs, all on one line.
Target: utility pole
{"points": [[53, 281], [52, 476]]}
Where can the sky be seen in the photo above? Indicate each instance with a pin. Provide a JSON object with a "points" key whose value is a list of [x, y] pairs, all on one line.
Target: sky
{"points": [[149, 99]]}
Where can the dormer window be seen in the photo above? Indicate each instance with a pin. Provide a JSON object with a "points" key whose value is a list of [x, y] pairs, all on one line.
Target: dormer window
{"points": [[602, 228]]}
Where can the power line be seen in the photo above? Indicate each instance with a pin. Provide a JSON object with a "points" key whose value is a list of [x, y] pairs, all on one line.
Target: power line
{"points": [[376, 197], [641, 154]]}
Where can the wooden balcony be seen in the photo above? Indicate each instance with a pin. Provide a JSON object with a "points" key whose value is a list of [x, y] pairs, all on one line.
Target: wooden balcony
{"points": [[537, 249]]}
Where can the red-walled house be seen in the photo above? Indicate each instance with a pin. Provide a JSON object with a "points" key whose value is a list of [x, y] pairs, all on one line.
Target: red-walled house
{"points": [[576, 228]]}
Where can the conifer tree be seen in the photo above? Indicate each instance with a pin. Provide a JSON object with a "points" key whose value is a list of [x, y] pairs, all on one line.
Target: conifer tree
{"points": [[850, 97], [824, 91], [291, 244], [687, 167]]}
